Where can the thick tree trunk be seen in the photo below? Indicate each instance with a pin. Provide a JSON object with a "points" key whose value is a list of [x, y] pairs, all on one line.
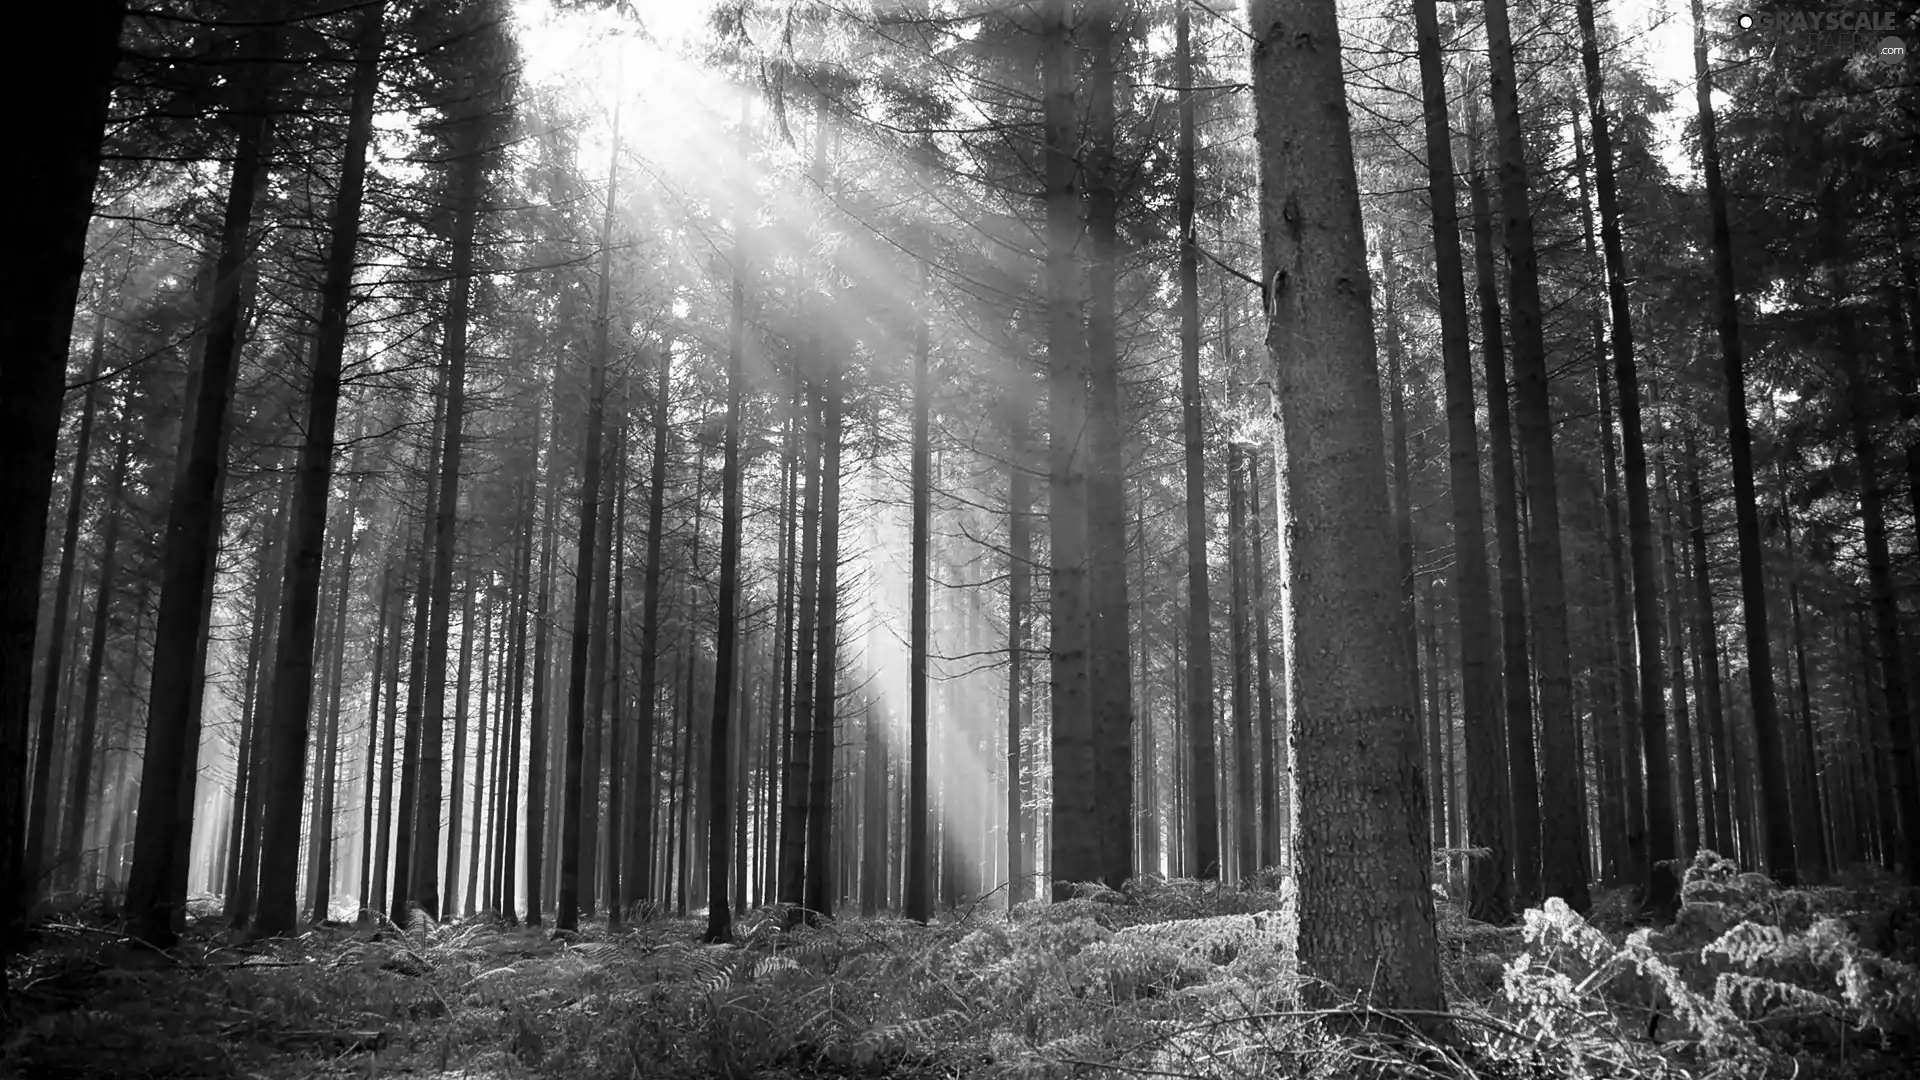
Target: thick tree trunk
{"points": [[616, 721], [918, 887], [793, 818], [1204, 828], [51, 164], [173, 730], [1366, 904]]}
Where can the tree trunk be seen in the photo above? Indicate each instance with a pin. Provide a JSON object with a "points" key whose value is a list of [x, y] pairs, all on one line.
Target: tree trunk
{"points": [[450, 901], [405, 814], [616, 722], [1108, 661], [538, 736], [567, 915], [1883, 599], [320, 845], [1518, 672], [1489, 799], [720, 748], [1275, 820], [1366, 905], [1204, 801], [1246, 852], [1074, 841], [643, 887], [186, 574], [47, 736], [1019, 600], [1753, 583], [52, 164], [1812, 842], [1672, 579], [376, 671], [819, 897], [1562, 872], [77, 802]]}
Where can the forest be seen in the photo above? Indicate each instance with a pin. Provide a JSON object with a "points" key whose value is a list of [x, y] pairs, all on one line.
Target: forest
{"points": [[962, 539]]}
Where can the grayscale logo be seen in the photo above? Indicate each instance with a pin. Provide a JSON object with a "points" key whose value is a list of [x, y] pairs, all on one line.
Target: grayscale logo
{"points": [[1870, 32]]}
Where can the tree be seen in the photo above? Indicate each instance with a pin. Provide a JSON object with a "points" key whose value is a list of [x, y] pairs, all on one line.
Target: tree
{"points": [[1489, 801], [277, 912], [173, 723], [1205, 802], [48, 199], [1366, 906]]}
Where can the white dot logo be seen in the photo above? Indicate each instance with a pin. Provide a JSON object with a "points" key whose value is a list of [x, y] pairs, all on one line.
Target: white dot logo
{"points": [[1892, 50], [1746, 22]]}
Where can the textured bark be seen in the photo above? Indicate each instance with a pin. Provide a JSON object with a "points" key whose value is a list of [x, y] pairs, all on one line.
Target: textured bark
{"points": [[1203, 799], [46, 738], [1517, 664], [592, 758], [1366, 903], [48, 178], [173, 727], [793, 819]]}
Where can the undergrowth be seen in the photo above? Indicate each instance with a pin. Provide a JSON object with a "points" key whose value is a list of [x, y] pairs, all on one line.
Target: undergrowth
{"points": [[1169, 978]]}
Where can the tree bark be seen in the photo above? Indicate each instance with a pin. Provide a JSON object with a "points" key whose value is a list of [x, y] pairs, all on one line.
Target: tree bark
{"points": [[1203, 798], [55, 667], [1753, 585], [567, 915], [186, 572], [1366, 904], [1517, 664], [819, 897], [51, 165]]}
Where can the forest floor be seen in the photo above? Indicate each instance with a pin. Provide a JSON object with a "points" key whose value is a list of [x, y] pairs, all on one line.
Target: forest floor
{"points": [[1172, 979]]}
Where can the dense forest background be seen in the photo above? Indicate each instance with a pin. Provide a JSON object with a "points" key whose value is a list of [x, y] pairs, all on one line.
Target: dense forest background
{"points": [[1413, 467]]}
